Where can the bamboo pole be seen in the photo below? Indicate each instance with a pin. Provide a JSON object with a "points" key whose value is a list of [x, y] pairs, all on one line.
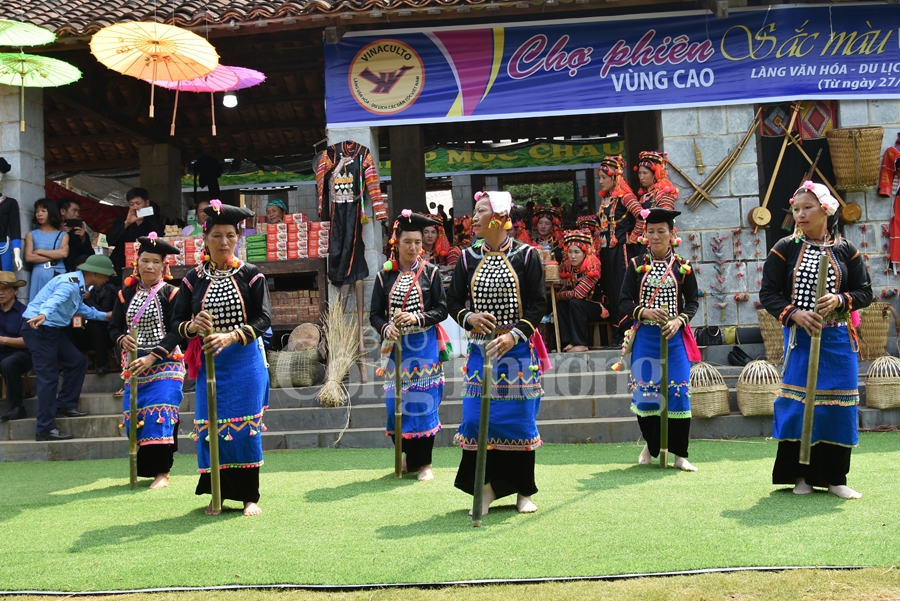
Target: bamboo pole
{"points": [[812, 374], [794, 110], [132, 413], [664, 396], [797, 145], [697, 189], [360, 303], [484, 423], [398, 408], [174, 111], [213, 430]]}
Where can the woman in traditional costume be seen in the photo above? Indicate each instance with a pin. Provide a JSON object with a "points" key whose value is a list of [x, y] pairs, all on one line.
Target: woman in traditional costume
{"points": [[146, 307], [578, 300], [591, 223], [619, 210], [788, 292], [462, 239], [656, 191], [435, 245], [660, 295], [502, 280], [229, 298], [408, 303], [548, 229]]}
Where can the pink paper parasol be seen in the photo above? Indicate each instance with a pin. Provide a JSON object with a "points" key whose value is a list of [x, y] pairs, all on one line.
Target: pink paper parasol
{"points": [[221, 79]]}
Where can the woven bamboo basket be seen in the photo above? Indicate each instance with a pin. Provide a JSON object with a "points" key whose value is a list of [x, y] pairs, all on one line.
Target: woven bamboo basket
{"points": [[856, 156], [293, 369], [883, 383], [709, 394], [874, 328], [756, 388], [772, 335]]}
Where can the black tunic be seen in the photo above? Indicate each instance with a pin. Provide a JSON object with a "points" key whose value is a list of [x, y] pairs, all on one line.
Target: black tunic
{"points": [[119, 326], [431, 305], [636, 290]]}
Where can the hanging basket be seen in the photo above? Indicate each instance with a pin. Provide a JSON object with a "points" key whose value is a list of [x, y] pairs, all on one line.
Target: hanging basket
{"points": [[883, 383], [772, 335], [855, 156], [757, 387], [709, 394], [874, 328], [293, 369]]}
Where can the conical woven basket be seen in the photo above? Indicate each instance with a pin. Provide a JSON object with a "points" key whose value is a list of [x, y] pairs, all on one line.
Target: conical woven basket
{"points": [[855, 156], [874, 328], [709, 394], [772, 335], [883, 383], [757, 387]]}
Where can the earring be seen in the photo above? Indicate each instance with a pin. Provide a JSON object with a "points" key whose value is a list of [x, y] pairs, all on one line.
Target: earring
{"points": [[494, 224]]}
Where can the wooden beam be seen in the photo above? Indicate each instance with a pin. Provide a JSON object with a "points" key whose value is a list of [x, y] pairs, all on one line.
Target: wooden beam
{"points": [[229, 130], [95, 138], [99, 109], [74, 167]]}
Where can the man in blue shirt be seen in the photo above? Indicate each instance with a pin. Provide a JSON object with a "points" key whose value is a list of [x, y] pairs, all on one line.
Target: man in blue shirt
{"points": [[48, 313], [14, 357]]}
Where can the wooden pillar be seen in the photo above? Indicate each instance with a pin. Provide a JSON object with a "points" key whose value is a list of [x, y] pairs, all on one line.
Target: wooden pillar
{"points": [[407, 145]]}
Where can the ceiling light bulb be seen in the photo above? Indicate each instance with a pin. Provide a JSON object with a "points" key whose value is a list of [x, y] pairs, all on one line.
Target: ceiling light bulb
{"points": [[229, 100]]}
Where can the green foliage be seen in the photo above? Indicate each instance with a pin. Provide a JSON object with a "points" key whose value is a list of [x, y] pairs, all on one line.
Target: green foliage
{"points": [[542, 194]]}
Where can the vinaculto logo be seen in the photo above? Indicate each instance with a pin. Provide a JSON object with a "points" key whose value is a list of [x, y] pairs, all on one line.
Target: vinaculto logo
{"points": [[386, 77]]}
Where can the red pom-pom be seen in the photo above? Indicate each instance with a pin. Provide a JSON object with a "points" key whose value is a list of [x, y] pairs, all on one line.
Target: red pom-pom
{"points": [[131, 281]]}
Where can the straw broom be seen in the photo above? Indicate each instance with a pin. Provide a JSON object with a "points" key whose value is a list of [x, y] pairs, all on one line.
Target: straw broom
{"points": [[342, 337]]}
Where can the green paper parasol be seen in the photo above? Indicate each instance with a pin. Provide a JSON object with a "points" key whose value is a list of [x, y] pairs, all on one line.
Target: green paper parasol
{"points": [[16, 33], [34, 71]]}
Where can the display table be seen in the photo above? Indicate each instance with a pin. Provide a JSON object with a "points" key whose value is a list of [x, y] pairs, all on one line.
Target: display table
{"points": [[287, 267]]}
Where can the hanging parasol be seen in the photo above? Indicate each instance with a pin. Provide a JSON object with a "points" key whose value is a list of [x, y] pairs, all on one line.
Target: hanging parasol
{"points": [[34, 71], [222, 79], [154, 52], [16, 33]]}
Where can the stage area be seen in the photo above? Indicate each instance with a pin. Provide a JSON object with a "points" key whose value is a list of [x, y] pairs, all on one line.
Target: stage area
{"points": [[339, 517]]}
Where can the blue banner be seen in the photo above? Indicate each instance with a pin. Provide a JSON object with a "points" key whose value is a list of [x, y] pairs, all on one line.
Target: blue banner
{"points": [[613, 64]]}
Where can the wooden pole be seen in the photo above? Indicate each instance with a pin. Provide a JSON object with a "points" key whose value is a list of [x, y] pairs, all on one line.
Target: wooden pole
{"points": [[815, 169], [484, 423], [174, 111], [132, 412], [812, 374], [213, 430], [664, 396], [787, 138], [398, 408]]}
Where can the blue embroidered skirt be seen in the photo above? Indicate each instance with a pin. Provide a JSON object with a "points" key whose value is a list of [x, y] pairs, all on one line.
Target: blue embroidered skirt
{"points": [[423, 385], [645, 374], [158, 398], [835, 418], [515, 400], [242, 396]]}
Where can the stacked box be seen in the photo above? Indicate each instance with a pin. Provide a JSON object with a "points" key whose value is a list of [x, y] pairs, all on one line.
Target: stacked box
{"points": [[292, 306], [256, 248], [276, 242], [317, 245], [295, 218]]}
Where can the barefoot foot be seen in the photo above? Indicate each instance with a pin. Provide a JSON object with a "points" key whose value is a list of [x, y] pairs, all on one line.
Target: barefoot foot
{"points": [[802, 488], [578, 349], [684, 465], [252, 509], [844, 492], [566, 348], [425, 473], [644, 458], [489, 497], [403, 464], [211, 511], [525, 504], [162, 481]]}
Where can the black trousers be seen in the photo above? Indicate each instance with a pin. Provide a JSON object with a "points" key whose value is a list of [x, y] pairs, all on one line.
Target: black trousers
{"points": [[507, 472], [418, 452], [13, 363], [93, 337], [574, 316], [679, 433], [829, 464], [238, 484], [50, 350]]}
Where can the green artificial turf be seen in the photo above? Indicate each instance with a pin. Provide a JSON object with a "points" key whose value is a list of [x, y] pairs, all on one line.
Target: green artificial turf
{"points": [[340, 517]]}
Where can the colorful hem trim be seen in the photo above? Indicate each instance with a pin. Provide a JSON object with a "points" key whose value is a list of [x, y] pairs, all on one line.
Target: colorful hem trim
{"points": [[471, 444], [411, 435], [844, 398], [227, 466], [656, 413], [837, 444]]}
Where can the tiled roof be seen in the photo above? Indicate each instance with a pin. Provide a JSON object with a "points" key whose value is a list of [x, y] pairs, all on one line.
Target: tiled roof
{"points": [[85, 17]]}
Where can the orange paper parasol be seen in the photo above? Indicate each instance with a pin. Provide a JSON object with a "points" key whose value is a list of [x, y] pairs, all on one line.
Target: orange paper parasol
{"points": [[154, 52]]}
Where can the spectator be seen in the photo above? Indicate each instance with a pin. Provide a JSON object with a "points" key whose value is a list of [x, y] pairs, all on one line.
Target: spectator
{"points": [[194, 229], [47, 314], [128, 229], [79, 235], [275, 211], [94, 335], [14, 357], [46, 247]]}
